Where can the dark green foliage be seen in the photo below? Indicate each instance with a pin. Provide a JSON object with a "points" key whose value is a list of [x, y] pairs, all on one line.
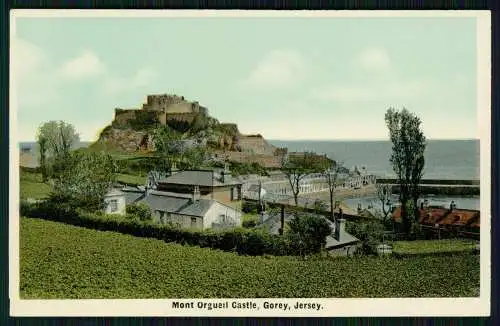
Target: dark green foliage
{"points": [[59, 261], [84, 180], [141, 210], [249, 221], [371, 233], [249, 207], [200, 123], [227, 240], [407, 159], [247, 168], [307, 233]]}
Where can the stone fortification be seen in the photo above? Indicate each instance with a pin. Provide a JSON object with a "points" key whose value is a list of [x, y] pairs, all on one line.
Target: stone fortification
{"points": [[172, 104], [130, 128]]}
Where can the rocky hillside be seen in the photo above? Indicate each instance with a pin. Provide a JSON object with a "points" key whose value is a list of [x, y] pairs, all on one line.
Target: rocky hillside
{"points": [[135, 133]]}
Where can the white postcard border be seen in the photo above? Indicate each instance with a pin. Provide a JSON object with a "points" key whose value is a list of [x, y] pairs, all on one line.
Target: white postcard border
{"points": [[332, 307]]}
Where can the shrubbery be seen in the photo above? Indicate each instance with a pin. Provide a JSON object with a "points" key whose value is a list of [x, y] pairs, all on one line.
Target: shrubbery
{"points": [[141, 210], [242, 241], [250, 221], [307, 233], [370, 233]]}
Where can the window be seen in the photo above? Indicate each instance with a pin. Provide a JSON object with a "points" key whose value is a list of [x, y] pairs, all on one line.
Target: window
{"points": [[235, 194], [113, 205]]}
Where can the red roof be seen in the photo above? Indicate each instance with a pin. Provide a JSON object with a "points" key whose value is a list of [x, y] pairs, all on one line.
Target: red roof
{"points": [[443, 216]]}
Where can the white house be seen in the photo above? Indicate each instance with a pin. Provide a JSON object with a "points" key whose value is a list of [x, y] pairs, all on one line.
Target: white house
{"points": [[187, 211], [115, 202]]}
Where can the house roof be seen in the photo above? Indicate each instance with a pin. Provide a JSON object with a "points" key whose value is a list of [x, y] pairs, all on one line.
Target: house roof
{"points": [[443, 216], [346, 239], [201, 178], [114, 192], [177, 205]]}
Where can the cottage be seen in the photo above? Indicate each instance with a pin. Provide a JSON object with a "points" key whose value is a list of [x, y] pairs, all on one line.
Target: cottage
{"points": [[114, 202], [214, 185], [186, 211]]}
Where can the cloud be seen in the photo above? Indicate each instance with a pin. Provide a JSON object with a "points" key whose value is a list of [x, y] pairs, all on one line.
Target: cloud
{"points": [[34, 82], [41, 85], [389, 92], [141, 78], [279, 68], [374, 59], [86, 65]]}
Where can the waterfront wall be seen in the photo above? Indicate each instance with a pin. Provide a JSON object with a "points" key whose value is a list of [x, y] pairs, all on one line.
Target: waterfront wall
{"points": [[445, 190], [434, 182]]}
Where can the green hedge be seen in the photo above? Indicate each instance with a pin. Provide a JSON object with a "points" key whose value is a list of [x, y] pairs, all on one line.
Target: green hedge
{"points": [[242, 241]]}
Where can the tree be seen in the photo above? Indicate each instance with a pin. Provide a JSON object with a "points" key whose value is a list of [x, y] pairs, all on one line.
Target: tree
{"points": [[331, 173], [384, 193], [166, 141], [297, 167], [42, 147], [55, 139], [85, 180], [308, 233], [407, 159]]}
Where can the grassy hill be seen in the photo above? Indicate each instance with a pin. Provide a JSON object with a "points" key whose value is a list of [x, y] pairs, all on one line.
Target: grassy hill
{"points": [[63, 261]]}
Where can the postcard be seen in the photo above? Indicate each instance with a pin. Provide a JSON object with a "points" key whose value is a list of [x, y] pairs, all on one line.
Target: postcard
{"points": [[250, 163]]}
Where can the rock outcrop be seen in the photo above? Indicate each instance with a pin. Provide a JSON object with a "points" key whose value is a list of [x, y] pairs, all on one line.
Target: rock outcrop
{"points": [[131, 130]]}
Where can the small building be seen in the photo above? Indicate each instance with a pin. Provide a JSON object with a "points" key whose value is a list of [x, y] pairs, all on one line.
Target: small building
{"points": [[186, 211], [115, 202], [215, 185]]}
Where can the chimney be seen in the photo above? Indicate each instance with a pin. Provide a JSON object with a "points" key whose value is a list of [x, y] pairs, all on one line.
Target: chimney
{"points": [[196, 194], [225, 172], [340, 229]]}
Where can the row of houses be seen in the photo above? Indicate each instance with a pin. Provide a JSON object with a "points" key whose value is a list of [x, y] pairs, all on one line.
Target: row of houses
{"points": [[202, 199], [440, 217], [193, 199]]}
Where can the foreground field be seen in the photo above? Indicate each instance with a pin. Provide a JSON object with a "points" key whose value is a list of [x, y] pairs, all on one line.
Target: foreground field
{"points": [[62, 261], [432, 246], [31, 186]]}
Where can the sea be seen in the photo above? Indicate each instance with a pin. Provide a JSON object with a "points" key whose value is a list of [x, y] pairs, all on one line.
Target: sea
{"points": [[444, 159]]}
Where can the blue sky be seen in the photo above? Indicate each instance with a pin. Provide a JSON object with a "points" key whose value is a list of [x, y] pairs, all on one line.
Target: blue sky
{"points": [[286, 78]]}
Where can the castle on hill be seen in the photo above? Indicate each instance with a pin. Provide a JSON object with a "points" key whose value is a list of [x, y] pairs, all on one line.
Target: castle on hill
{"points": [[164, 107]]}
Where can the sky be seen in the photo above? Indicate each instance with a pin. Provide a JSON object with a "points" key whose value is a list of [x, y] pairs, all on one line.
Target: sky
{"points": [[285, 78]]}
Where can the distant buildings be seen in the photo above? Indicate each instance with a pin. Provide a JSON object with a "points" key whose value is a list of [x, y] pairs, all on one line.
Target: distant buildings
{"points": [[448, 218], [277, 186]]}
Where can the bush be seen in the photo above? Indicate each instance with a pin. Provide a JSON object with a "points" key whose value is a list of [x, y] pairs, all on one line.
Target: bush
{"points": [[370, 233], [250, 221], [308, 233], [141, 210], [242, 241]]}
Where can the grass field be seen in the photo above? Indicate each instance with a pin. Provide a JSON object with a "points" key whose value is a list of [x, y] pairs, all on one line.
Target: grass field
{"points": [[130, 179], [432, 246], [63, 261], [31, 186]]}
